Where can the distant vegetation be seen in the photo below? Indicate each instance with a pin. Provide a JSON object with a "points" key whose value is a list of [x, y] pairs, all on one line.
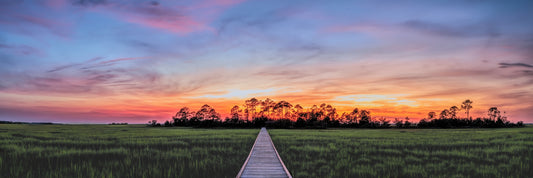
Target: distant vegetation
{"points": [[121, 151], [406, 152], [113, 123], [11, 122], [282, 114]]}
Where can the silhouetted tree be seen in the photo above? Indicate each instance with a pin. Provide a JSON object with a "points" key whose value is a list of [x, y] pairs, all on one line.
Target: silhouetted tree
{"points": [[286, 116], [206, 112], [330, 114], [365, 118], [298, 110], [267, 106], [453, 112], [494, 113], [467, 105], [398, 123], [423, 123], [167, 124], [431, 115], [444, 114], [352, 117], [407, 124], [312, 116], [251, 105], [282, 106], [153, 123], [182, 116], [384, 123], [235, 113]]}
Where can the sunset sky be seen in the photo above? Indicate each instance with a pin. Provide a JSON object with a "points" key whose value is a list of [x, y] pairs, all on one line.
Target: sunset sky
{"points": [[103, 61]]}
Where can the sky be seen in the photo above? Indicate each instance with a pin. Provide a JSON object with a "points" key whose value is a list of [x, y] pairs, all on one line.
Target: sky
{"points": [[103, 61]]}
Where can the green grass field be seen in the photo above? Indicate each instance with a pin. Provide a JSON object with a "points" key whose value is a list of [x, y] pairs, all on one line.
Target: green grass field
{"points": [[121, 151], [406, 152], [139, 151]]}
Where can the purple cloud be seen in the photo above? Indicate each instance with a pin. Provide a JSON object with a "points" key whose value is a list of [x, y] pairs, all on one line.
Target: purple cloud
{"points": [[508, 65], [23, 50]]}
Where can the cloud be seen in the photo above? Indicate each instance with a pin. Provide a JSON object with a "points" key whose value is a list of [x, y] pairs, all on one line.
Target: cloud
{"points": [[446, 93], [509, 65], [240, 94], [260, 20], [108, 63], [418, 27], [67, 66], [56, 4], [23, 50], [89, 2], [472, 30], [376, 100], [171, 17], [63, 67], [57, 27], [80, 115], [16, 18], [88, 78], [120, 59], [162, 18], [281, 74]]}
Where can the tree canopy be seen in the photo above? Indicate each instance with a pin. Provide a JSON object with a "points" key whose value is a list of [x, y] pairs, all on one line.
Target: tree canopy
{"points": [[282, 114]]}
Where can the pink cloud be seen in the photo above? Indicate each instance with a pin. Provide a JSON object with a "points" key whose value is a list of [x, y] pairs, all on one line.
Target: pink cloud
{"points": [[119, 59], [23, 49], [181, 19], [175, 24], [56, 4], [215, 3], [361, 27], [47, 23], [80, 114], [18, 22]]}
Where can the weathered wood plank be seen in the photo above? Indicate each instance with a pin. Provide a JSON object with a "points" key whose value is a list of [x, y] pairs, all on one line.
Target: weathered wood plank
{"points": [[263, 160]]}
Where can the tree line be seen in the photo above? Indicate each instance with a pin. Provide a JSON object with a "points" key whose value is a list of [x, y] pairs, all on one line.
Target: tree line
{"points": [[259, 113]]}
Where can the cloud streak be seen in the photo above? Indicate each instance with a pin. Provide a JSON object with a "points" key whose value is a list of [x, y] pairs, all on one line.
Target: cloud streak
{"points": [[509, 65], [472, 30], [168, 16], [23, 49]]}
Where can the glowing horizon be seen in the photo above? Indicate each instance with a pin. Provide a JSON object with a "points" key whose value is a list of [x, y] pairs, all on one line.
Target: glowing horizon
{"points": [[134, 61]]}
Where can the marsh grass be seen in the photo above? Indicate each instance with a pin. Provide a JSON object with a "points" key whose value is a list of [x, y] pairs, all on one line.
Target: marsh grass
{"points": [[406, 152], [121, 151]]}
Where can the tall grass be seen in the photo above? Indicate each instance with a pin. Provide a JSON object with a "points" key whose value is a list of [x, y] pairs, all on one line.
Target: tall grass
{"points": [[406, 152], [121, 151]]}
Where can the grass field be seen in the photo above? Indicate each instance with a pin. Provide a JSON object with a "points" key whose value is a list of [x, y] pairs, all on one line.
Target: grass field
{"points": [[406, 152], [121, 151], [139, 151]]}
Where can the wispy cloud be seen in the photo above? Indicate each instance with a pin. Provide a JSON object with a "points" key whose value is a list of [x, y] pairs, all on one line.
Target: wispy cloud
{"points": [[120, 59], [67, 66], [168, 16], [17, 19], [240, 94], [508, 65], [472, 30], [91, 77], [86, 2], [56, 4], [23, 49]]}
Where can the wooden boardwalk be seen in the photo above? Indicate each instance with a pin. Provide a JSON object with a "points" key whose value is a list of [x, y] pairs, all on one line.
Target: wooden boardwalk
{"points": [[263, 160]]}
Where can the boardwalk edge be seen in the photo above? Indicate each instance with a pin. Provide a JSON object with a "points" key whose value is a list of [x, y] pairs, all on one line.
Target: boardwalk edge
{"points": [[248, 158], [279, 158]]}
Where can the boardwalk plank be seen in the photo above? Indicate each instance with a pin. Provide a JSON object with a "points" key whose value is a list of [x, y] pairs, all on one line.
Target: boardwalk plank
{"points": [[263, 160]]}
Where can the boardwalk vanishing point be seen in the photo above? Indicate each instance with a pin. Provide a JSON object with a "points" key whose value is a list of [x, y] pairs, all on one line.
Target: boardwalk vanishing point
{"points": [[263, 160]]}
